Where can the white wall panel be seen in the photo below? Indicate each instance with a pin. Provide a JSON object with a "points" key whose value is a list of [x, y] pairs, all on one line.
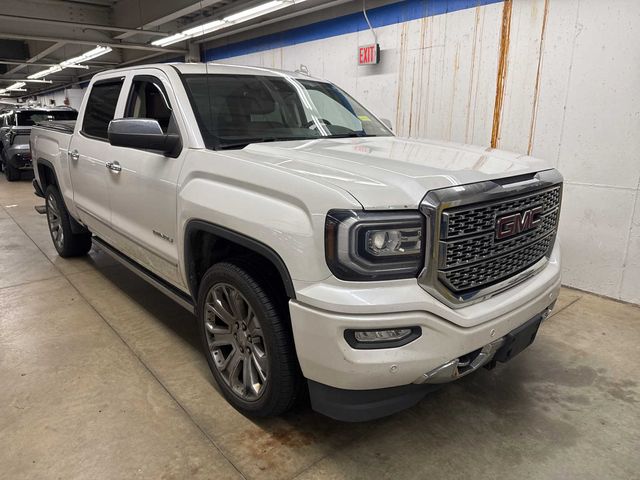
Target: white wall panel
{"points": [[631, 272], [571, 97], [600, 142], [594, 236], [522, 67], [553, 88]]}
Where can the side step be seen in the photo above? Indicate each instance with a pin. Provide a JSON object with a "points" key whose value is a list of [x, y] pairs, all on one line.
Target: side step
{"points": [[169, 290], [41, 209]]}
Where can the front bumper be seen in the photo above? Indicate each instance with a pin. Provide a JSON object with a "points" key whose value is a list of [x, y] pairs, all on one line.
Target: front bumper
{"points": [[437, 356], [362, 405]]}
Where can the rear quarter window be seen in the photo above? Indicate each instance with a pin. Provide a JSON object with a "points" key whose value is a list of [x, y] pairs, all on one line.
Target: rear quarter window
{"points": [[101, 108]]}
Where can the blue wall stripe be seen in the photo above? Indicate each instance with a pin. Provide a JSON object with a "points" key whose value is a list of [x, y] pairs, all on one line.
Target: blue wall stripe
{"points": [[393, 13]]}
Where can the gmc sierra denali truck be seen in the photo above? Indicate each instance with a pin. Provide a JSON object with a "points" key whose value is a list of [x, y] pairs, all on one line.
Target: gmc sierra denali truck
{"points": [[15, 128], [317, 250]]}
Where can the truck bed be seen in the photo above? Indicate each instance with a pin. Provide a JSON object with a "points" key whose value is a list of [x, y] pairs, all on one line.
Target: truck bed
{"points": [[64, 126]]}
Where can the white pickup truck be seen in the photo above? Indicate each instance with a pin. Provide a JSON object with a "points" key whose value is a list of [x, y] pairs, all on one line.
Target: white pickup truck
{"points": [[317, 250]]}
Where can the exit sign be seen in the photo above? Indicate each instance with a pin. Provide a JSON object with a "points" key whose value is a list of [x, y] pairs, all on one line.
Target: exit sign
{"points": [[369, 54]]}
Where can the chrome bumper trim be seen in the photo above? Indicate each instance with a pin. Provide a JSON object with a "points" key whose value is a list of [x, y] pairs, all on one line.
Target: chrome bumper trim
{"points": [[456, 369]]}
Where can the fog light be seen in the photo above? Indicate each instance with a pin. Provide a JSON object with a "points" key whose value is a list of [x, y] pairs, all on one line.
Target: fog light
{"points": [[383, 338], [382, 335]]}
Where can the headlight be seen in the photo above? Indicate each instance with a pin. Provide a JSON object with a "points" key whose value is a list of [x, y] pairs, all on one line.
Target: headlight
{"points": [[374, 245]]}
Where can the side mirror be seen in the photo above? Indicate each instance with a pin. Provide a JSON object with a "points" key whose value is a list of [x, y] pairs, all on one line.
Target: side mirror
{"points": [[143, 133], [387, 123]]}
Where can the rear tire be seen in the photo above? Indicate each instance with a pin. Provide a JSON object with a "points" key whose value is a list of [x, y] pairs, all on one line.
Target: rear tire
{"points": [[248, 344], [67, 243], [12, 173]]}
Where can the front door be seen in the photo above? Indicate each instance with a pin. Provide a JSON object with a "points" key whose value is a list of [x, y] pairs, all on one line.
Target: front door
{"points": [[144, 191]]}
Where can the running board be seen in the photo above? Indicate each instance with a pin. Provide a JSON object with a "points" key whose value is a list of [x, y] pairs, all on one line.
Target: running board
{"points": [[169, 290]]}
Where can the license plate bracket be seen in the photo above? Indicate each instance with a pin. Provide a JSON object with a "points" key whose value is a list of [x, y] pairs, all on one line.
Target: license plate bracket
{"points": [[519, 339]]}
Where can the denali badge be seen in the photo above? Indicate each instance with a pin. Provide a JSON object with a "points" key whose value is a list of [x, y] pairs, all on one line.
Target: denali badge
{"points": [[515, 223]]}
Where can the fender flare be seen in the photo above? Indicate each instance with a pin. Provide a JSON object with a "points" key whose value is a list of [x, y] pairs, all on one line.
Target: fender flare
{"points": [[76, 227], [240, 239]]}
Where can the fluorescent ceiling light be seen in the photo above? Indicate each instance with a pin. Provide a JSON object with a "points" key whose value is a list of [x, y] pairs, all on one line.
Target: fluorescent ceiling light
{"points": [[233, 19], [190, 33], [72, 62], [16, 87], [256, 11], [206, 28], [163, 42]]}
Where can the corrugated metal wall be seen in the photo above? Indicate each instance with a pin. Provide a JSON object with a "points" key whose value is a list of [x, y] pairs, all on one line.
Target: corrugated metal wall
{"points": [[568, 92]]}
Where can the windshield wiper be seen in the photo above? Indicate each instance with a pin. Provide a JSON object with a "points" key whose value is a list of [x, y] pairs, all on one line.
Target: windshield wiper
{"points": [[349, 135], [244, 143]]}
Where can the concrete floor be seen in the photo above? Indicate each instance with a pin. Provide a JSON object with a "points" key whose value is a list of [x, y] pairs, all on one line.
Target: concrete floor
{"points": [[102, 377]]}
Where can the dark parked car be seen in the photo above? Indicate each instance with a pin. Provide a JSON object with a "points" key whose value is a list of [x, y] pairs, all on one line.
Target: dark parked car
{"points": [[15, 128]]}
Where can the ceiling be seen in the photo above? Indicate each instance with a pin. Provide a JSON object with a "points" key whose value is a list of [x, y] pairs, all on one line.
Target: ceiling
{"points": [[38, 34]]}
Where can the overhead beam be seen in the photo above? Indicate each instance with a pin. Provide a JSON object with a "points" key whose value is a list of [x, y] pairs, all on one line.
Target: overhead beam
{"points": [[97, 63], [91, 26], [4, 61], [131, 46], [280, 18], [80, 77], [35, 58], [196, 6]]}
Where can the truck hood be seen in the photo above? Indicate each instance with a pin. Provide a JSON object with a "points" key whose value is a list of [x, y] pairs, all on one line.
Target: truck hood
{"points": [[389, 172]]}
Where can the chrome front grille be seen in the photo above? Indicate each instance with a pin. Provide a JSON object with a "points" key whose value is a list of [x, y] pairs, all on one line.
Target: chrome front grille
{"points": [[481, 218], [483, 246], [485, 273], [467, 261]]}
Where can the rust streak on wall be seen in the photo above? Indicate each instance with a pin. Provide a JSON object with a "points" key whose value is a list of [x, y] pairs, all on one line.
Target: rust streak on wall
{"points": [[536, 94], [502, 71], [471, 75]]}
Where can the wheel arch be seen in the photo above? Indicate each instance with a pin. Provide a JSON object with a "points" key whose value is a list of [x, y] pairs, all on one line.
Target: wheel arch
{"points": [[46, 174], [195, 230]]}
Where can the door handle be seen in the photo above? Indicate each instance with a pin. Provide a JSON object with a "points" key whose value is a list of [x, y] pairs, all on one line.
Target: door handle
{"points": [[114, 166], [74, 155]]}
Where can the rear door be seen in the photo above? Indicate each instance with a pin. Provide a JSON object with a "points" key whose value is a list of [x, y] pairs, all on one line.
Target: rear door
{"points": [[89, 153], [144, 192]]}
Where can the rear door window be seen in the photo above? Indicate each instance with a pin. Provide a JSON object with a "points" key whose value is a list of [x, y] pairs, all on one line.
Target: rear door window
{"points": [[101, 108]]}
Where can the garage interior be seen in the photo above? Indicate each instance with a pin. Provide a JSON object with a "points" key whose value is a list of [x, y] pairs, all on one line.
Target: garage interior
{"points": [[102, 376]]}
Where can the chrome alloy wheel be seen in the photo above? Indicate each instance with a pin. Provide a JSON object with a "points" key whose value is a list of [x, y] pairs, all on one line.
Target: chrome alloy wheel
{"points": [[236, 341], [55, 222]]}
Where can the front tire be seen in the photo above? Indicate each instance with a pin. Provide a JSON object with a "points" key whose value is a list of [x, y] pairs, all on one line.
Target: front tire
{"points": [[67, 243], [246, 339], [11, 172]]}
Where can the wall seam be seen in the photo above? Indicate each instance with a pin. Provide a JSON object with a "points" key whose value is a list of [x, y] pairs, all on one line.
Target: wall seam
{"points": [[628, 244], [566, 97]]}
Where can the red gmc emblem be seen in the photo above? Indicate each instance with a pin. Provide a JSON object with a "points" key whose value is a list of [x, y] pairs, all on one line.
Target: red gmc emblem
{"points": [[516, 223]]}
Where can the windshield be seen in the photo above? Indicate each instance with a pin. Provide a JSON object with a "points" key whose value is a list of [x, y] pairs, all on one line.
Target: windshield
{"points": [[235, 110], [31, 117]]}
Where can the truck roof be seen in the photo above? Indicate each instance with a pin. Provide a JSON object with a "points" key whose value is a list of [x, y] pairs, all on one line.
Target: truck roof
{"points": [[217, 68]]}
